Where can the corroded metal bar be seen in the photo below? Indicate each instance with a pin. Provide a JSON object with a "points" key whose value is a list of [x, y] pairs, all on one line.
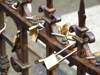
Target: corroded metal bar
{"points": [[24, 50], [81, 14], [82, 63], [80, 71], [3, 56], [2, 41], [53, 44], [82, 17], [50, 3], [7, 38], [14, 15]]}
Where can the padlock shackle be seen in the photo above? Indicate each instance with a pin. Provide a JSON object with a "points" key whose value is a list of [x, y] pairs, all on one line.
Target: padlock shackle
{"points": [[67, 56], [64, 49], [56, 34]]}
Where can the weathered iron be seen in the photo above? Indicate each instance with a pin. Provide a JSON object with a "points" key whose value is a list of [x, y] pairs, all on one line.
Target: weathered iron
{"points": [[82, 36], [20, 61]]}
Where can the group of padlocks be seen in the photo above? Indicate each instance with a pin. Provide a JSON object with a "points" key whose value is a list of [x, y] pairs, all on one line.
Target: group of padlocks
{"points": [[52, 61], [61, 34]]}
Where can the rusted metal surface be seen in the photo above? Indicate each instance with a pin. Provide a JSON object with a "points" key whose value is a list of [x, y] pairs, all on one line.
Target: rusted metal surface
{"points": [[50, 20], [20, 61], [4, 62], [75, 60], [81, 33], [49, 16]]}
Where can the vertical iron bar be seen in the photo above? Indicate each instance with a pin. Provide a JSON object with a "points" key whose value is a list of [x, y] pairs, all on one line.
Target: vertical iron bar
{"points": [[2, 41], [81, 14], [50, 3], [80, 49], [81, 28], [24, 50], [80, 72], [48, 29]]}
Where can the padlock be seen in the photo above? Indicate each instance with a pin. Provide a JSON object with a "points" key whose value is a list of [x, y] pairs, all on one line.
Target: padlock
{"points": [[69, 37], [39, 61], [16, 38], [16, 41], [65, 28], [33, 33], [51, 62], [96, 54], [59, 29], [35, 19], [65, 31]]}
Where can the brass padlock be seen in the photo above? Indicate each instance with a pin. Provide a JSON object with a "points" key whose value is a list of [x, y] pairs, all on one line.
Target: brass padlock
{"points": [[33, 33], [70, 37], [65, 31], [16, 41], [52, 61], [96, 54], [39, 61], [65, 28], [59, 29]]}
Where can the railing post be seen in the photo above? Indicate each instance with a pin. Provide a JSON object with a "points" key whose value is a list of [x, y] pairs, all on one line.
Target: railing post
{"points": [[80, 72], [24, 50], [80, 49], [81, 27], [50, 3], [4, 62]]}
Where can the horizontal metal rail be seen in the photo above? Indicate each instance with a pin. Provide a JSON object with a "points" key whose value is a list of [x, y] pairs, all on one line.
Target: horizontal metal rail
{"points": [[75, 60]]}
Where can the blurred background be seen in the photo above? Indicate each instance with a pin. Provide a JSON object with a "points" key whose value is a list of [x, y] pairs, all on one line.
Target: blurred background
{"points": [[68, 11]]}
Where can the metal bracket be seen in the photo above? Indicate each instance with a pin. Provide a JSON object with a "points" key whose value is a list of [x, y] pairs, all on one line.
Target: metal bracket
{"points": [[4, 64], [80, 40], [22, 66], [48, 20]]}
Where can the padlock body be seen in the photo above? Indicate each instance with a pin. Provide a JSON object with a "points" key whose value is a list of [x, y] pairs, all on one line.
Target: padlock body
{"points": [[16, 39], [33, 33], [51, 62], [34, 37], [65, 28]]}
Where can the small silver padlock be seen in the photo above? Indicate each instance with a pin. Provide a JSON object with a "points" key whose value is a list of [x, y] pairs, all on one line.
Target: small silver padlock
{"points": [[52, 61]]}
